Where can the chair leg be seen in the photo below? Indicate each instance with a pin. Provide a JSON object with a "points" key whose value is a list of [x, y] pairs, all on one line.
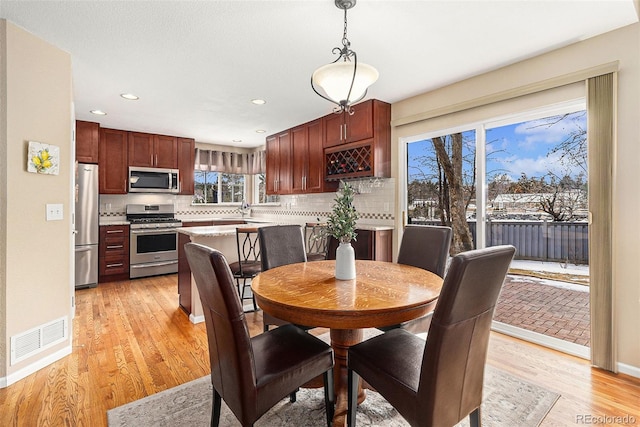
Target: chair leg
{"points": [[474, 418], [329, 398], [215, 409], [352, 404], [255, 307], [238, 286]]}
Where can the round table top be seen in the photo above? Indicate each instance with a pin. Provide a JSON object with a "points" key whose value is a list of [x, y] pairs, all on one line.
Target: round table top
{"points": [[382, 294]]}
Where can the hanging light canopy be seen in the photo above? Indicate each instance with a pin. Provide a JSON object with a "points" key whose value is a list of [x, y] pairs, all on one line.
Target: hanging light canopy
{"points": [[344, 81]]}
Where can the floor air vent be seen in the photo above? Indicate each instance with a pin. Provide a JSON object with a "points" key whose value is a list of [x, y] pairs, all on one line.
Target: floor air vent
{"points": [[38, 339]]}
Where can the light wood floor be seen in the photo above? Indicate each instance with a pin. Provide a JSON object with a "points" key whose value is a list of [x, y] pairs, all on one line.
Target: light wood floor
{"points": [[131, 340]]}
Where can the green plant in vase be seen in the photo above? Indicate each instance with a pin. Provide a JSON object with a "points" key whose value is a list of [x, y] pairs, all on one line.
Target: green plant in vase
{"points": [[341, 224]]}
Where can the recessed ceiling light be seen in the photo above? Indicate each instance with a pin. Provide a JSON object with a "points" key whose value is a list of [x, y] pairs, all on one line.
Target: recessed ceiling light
{"points": [[98, 112], [259, 101], [260, 131], [129, 96]]}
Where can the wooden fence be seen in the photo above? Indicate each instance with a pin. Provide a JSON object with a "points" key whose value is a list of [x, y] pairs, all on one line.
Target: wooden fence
{"points": [[536, 240]]}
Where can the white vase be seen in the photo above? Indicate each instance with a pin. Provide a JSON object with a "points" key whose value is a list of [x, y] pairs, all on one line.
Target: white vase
{"points": [[345, 262]]}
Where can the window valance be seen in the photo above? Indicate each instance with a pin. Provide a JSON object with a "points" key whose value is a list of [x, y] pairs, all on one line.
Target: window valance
{"points": [[229, 162]]}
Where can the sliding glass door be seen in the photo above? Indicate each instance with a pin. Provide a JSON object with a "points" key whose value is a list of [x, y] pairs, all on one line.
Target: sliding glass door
{"points": [[519, 180]]}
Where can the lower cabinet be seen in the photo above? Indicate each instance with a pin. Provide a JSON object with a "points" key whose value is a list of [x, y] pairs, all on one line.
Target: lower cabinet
{"points": [[369, 245], [113, 253], [184, 272]]}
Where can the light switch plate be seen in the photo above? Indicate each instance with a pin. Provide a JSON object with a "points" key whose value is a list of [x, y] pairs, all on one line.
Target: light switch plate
{"points": [[54, 212]]}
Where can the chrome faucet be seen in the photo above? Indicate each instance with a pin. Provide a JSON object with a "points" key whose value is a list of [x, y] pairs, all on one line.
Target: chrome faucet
{"points": [[244, 208]]}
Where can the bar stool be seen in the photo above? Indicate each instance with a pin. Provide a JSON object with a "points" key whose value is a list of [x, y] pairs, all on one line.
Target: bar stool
{"points": [[248, 264], [316, 241]]}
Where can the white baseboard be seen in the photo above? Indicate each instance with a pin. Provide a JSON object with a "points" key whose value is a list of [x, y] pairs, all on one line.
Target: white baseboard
{"points": [[196, 319], [544, 340], [34, 367], [630, 370], [557, 344]]}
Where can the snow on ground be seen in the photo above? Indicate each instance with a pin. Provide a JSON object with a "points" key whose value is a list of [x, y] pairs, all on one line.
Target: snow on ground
{"points": [[548, 282], [553, 267]]}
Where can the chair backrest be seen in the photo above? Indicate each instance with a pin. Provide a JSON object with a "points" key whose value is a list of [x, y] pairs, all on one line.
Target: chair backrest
{"points": [[316, 238], [248, 246], [230, 351], [456, 350], [426, 247], [281, 245]]}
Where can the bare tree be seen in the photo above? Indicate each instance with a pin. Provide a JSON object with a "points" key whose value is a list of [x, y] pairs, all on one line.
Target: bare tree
{"points": [[451, 164]]}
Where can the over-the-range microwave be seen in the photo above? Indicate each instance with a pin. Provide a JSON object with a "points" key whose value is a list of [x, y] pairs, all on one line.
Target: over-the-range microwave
{"points": [[153, 180]]}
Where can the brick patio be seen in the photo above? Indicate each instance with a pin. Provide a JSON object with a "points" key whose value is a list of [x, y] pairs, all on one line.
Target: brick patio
{"points": [[538, 306]]}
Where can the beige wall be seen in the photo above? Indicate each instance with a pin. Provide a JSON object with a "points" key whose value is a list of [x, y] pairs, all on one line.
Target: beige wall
{"points": [[624, 46], [36, 272]]}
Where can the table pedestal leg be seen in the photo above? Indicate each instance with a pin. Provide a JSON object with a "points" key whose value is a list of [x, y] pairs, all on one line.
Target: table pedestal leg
{"points": [[341, 340]]}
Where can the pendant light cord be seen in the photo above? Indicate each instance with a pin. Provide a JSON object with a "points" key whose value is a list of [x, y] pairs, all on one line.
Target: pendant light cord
{"points": [[345, 41]]}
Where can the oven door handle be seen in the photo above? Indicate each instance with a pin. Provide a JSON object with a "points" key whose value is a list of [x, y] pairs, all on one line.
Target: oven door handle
{"points": [[155, 264], [154, 231]]}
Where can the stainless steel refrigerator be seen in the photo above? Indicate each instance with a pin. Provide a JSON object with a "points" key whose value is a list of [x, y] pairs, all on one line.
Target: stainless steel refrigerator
{"points": [[86, 225]]}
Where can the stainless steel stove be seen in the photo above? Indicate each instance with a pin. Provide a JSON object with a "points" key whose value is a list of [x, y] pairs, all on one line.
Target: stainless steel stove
{"points": [[153, 240]]}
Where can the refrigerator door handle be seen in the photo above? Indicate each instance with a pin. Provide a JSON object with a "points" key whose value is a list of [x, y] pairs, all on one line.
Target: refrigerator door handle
{"points": [[83, 249]]}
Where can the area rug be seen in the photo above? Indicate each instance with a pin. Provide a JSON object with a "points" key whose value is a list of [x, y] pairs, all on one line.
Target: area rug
{"points": [[508, 401]]}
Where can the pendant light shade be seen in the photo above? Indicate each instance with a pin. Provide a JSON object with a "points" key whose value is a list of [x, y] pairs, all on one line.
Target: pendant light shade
{"points": [[345, 81], [335, 80]]}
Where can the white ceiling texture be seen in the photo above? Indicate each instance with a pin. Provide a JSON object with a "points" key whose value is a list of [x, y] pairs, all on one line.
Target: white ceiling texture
{"points": [[196, 65]]}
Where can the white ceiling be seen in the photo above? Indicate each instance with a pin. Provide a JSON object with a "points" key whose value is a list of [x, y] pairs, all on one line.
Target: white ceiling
{"points": [[196, 65]]}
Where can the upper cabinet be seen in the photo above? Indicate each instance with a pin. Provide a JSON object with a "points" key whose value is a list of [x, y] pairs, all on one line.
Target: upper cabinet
{"points": [[87, 138], [113, 161], [119, 149], [307, 171], [153, 151], [278, 176], [314, 156], [361, 145], [186, 160], [344, 127]]}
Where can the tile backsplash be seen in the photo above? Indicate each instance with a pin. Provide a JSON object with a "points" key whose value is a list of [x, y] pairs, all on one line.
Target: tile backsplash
{"points": [[375, 202]]}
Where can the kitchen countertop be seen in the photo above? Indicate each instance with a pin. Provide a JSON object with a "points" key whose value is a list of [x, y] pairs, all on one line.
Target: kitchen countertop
{"points": [[110, 221], [246, 219], [214, 230], [374, 227]]}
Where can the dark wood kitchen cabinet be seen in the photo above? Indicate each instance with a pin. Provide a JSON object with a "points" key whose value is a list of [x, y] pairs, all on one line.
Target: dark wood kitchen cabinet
{"points": [[113, 253], [361, 147], [186, 159], [307, 169], [184, 271], [87, 141], [278, 175], [153, 151], [369, 245], [366, 120], [113, 161]]}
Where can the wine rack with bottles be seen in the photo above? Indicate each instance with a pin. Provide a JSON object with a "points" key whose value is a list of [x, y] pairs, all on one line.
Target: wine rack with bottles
{"points": [[351, 162]]}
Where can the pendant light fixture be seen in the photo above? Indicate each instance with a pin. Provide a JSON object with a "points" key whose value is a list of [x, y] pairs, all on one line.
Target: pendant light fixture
{"points": [[345, 80]]}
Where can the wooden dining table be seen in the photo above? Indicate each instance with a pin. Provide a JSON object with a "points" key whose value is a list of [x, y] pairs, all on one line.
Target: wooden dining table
{"points": [[382, 294]]}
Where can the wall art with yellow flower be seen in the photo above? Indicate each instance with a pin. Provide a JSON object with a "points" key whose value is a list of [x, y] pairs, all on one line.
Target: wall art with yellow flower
{"points": [[43, 158]]}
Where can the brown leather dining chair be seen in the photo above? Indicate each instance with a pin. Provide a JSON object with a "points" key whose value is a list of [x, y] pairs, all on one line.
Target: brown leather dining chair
{"points": [[426, 247], [248, 264], [252, 374], [280, 245], [438, 382]]}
